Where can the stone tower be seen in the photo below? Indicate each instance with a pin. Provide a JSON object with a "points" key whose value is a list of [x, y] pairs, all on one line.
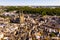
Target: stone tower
{"points": [[21, 17]]}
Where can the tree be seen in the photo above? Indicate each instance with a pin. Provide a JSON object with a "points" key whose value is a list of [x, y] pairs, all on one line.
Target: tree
{"points": [[44, 13]]}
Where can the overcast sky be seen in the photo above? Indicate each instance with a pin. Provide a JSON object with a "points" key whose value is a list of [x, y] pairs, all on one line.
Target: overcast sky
{"points": [[30, 2]]}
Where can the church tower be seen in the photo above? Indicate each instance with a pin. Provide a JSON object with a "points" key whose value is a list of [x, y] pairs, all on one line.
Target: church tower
{"points": [[21, 17]]}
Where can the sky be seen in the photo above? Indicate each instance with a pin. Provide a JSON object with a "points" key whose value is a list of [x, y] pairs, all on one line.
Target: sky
{"points": [[30, 2]]}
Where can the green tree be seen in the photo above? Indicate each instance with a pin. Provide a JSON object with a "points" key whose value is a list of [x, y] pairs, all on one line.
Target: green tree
{"points": [[44, 13]]}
